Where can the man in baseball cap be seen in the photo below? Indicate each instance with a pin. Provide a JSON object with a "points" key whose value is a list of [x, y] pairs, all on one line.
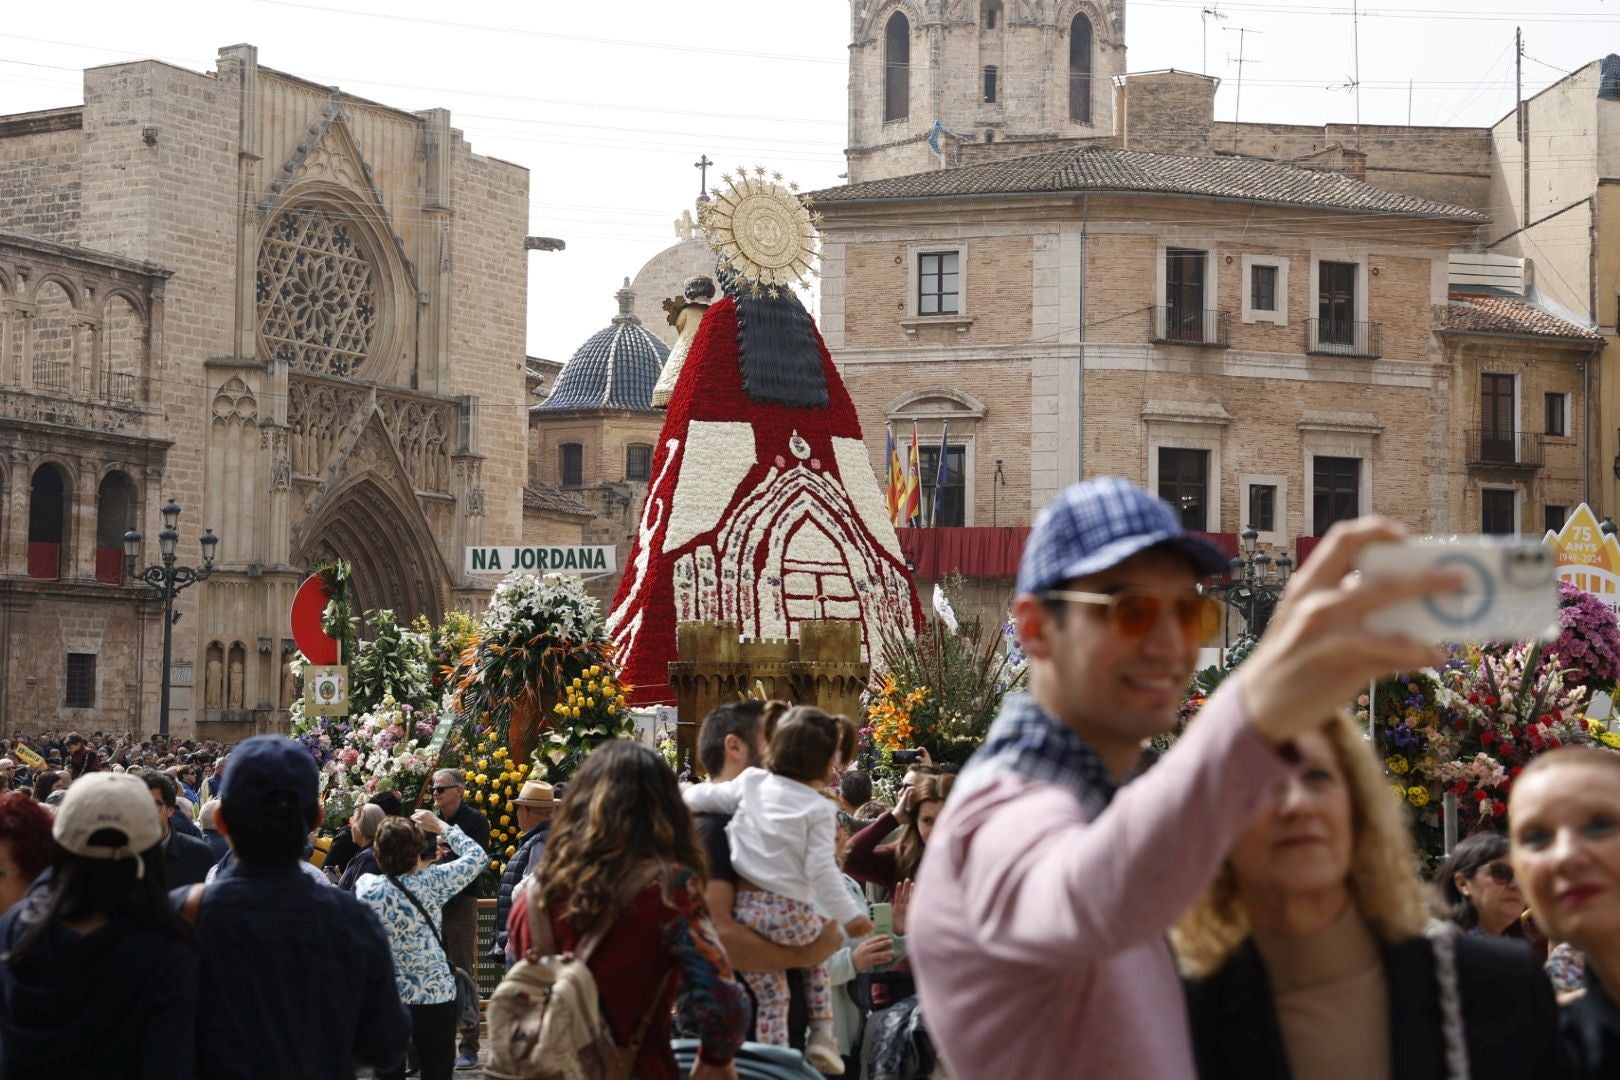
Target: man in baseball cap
{"points": [[298, 975], [1038, 929]]}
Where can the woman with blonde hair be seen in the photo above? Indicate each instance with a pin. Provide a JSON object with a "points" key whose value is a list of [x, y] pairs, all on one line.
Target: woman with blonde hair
{"points": [[1308, 957], [1565, 817]]}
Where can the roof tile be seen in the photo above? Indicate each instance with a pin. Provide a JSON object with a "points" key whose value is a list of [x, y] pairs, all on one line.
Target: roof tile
{"points": [[1488, 313], [1096, 168], [554, 499]]}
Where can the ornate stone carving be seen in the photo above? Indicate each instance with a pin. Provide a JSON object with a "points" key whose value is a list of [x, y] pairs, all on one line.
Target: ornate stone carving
{"points": [[316, 293], [326, 163], [317, 418], [234, 403], [420, 432]]}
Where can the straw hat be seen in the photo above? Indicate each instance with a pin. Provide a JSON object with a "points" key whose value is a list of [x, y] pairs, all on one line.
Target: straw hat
{"points": [[536, 793]]}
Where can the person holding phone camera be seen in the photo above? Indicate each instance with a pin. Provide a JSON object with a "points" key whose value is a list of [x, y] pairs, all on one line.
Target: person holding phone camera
{"points": [[1042, 908], [874, 861]]}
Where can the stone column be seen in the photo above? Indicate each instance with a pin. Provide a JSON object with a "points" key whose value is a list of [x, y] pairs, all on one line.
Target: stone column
{"points": [[16, 553], [96, 387], [25, 354], [82, 514]]}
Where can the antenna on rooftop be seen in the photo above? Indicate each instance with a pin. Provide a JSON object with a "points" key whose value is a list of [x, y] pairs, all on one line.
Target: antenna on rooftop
{"points": [[1355, 37], [1211, 12], [1243, 33]]}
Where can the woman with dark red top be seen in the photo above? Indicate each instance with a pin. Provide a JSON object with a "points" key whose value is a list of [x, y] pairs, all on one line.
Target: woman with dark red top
{"points": [[623, 855], [871, 861]]}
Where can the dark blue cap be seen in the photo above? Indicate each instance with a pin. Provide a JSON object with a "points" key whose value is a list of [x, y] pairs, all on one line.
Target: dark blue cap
{"points": [[1096, 525], [271, 771]]}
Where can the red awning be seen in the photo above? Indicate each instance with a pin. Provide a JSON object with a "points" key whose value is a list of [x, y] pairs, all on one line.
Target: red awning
{"points": [[979, 553], [986, 553]]}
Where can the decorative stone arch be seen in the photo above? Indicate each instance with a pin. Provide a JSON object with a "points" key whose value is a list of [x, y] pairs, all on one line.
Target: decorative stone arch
{"points": [[936, 403], [129, 296], [384, 537], [329, 264], [877, 20], [7, 286], [118, 509], [75, 294], [1102, 22], [49, 534], [125, 351]]}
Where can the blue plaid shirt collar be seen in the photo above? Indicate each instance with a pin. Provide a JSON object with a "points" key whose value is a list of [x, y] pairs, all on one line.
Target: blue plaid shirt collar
{"points": [[1026, 740]]}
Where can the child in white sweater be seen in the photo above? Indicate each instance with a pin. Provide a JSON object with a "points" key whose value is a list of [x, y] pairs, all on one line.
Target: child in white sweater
{"points": [[783, 846]]}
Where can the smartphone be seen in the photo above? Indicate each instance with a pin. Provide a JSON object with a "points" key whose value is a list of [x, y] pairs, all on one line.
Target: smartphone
{"points": [[906, 757], [1509, 593], [883, 918]]}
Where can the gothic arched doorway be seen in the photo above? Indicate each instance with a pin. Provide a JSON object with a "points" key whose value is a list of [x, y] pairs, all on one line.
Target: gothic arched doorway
{"points": [[395, 564]]}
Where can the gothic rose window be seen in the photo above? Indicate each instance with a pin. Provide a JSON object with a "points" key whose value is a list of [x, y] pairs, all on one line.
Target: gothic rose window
{"points": [[316, 293]]}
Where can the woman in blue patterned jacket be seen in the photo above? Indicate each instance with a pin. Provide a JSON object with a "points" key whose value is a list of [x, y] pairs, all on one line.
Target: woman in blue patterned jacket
{"points": [[405, 853]]}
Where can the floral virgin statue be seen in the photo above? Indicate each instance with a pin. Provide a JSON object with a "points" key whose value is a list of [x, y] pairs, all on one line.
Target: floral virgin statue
{"points": [[763, 507]]}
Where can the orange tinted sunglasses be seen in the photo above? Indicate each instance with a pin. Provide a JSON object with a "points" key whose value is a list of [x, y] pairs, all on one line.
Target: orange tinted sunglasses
{"points": [[1133, 613]]}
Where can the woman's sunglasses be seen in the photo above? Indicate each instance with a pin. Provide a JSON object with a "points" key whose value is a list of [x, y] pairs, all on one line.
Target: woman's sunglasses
{"points": [[1499, 872], [1133, 613]]}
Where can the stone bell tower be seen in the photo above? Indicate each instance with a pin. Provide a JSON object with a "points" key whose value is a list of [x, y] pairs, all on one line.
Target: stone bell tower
{"points": [[1023, 73]]}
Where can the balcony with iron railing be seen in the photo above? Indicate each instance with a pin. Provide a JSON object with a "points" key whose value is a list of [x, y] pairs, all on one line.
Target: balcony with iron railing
{"points": [[121, 387], [1343, 337], [51, 376], [1204, 327], [1490, 448]]}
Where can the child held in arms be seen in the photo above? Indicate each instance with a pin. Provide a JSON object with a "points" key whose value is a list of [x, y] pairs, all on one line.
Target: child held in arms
{"points": [[783, 846]]}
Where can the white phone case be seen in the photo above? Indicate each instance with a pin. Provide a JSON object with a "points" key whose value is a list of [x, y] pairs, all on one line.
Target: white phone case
{"points": [[1510, 592]]}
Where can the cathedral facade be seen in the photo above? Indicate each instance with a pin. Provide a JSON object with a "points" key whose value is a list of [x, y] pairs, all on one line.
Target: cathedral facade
{"points": [[296, 313]]}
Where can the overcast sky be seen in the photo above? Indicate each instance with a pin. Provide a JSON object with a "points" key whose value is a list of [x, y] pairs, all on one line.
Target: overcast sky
{"points": [[609, 103]]}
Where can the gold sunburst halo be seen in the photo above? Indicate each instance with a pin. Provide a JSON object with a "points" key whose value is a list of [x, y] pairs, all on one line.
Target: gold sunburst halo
{"points": [[762, 230]]}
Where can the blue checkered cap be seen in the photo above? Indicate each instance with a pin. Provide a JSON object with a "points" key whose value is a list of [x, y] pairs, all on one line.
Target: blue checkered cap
{"points": [[1098, 524]]}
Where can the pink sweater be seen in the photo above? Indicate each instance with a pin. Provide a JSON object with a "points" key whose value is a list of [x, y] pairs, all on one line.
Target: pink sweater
{"points": [[1039, 939]]}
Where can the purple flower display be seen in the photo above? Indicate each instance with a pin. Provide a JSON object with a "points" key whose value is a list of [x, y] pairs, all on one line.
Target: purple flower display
{"points": [[1589, 646]]}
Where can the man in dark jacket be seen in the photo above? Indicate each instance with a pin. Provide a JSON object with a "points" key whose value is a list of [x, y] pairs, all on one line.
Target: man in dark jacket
{"points": [[186, 859], [461, 913], [536, 803], [298, 977]]}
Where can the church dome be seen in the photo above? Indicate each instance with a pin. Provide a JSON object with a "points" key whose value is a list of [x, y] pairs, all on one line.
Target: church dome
{"points": [[616, 369]]}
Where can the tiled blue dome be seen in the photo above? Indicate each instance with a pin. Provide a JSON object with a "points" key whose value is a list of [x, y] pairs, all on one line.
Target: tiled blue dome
{"points": [[616, 369]]}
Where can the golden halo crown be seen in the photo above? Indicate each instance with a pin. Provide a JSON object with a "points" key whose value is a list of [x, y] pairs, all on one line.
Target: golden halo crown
{"points": [[763, 230]]}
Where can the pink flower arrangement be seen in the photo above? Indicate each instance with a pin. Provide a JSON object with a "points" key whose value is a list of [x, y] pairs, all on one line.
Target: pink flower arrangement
{"points": [[1588, 649]]}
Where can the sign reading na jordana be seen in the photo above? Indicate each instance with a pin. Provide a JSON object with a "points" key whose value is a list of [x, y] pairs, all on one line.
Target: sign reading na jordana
{"points": [[564, 559]]}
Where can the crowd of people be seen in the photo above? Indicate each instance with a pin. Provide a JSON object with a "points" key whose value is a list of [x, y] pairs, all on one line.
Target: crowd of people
{"points": [[1249, 904]]}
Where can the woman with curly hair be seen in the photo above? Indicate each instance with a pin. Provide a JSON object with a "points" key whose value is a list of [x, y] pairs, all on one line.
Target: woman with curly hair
{"points": [[1309, 958], [621, 887]]}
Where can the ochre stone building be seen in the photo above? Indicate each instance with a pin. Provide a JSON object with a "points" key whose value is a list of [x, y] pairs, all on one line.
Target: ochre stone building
{"points": [[299, 314], [1271, 325]]}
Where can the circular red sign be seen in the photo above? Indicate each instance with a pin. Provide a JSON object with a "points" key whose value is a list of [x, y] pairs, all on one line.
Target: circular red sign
{"points": [[308, 605]]}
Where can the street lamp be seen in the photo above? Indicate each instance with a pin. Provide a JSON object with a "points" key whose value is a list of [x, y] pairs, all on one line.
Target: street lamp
{"points": [[1256, 583], [168, 581]]}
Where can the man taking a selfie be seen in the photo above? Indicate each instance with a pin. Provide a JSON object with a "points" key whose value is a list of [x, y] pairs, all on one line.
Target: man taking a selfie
{"points": [[1038, 929]]}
